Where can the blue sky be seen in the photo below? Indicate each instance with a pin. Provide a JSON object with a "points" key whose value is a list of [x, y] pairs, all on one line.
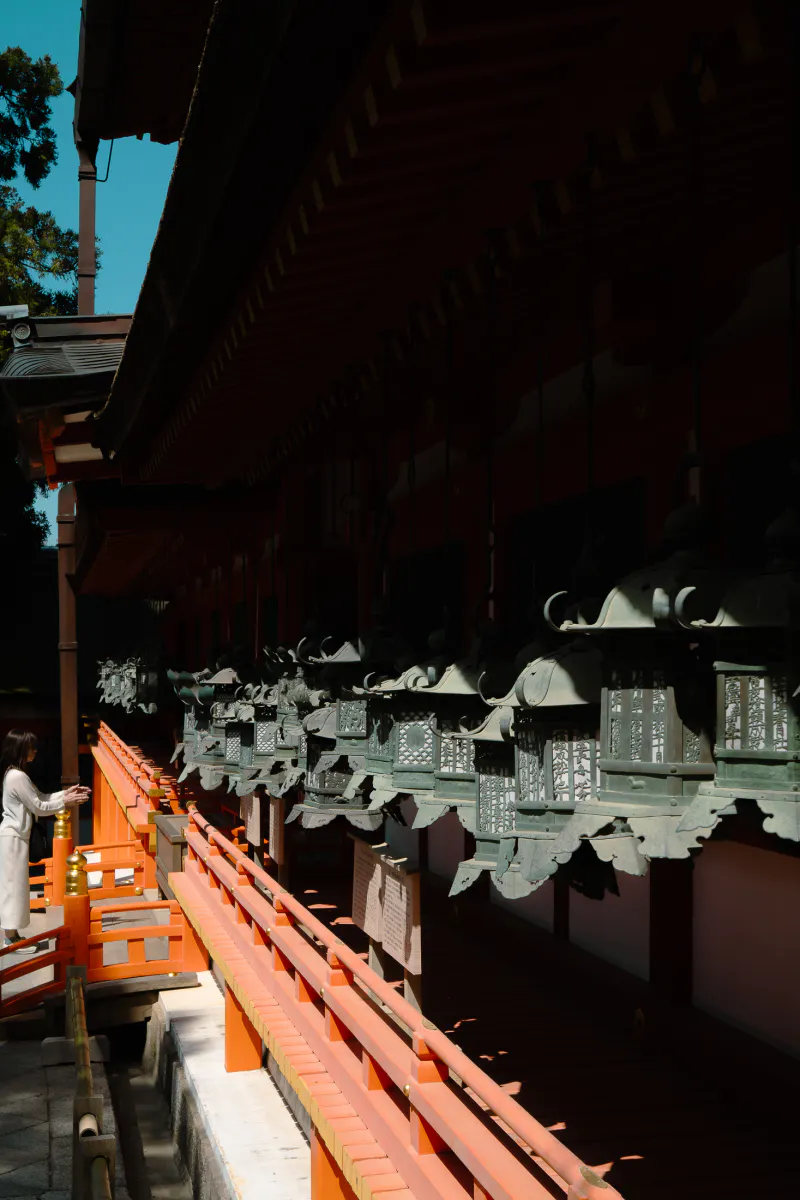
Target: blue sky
{"points": [[129, 205]]}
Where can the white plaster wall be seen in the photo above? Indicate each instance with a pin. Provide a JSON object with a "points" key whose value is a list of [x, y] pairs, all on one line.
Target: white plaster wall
{"points": [[616, 928], [445, 845], [536, 908], [747, 940]]}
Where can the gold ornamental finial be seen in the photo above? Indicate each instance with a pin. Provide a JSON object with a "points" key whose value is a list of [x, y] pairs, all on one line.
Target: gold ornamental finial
{"points": [[76, 883], [63, 827]]}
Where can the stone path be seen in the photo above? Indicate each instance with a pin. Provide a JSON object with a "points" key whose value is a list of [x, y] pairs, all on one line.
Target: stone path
{"points": [[36, 1125]]}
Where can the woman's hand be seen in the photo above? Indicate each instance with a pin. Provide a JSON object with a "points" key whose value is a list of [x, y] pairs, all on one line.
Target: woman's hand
{"points": [[76, 795]]}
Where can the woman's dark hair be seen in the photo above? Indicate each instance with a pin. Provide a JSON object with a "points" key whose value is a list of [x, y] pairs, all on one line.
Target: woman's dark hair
{"points": [[17, 744]]}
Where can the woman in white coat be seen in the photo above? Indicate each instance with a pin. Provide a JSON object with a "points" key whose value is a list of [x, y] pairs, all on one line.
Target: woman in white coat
{"points": [[22, 801]]}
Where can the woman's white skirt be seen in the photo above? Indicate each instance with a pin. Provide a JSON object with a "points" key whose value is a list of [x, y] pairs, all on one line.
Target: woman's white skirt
{"points": [[15, 890]]}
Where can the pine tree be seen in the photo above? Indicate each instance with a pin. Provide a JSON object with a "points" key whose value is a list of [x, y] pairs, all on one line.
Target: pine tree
{"points": [[38, 259]]}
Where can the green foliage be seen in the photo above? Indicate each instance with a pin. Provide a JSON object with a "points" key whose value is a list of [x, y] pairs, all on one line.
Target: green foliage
{"points": [[36, 254], [22, 529], [27, 143], [38, 265], [38, 259]]}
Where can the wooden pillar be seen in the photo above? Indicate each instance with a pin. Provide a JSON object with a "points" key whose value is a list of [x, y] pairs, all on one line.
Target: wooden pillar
{"points": [[277, 827], [561, 891], [327, 1179], [243, 1050], [98, 799], [671, 907], [195, 954], [68, 645], [412, 989]]}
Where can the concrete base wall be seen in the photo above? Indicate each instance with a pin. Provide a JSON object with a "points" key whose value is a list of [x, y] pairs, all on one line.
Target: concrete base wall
{"points": [[241, 1135]]}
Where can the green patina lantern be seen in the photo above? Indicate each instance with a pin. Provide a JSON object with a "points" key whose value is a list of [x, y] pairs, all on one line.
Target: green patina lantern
{"points": [[195, 696], [212, 699], [758, 722], [277, 745], [537, 761], [249, 738], [657, 707], [337, 739], [131, 684], [411, 720]]}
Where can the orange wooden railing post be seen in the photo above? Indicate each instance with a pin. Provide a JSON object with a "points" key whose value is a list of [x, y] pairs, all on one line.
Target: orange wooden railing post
{"points": [[77, 908], [327, 1179], [62, 848], [195, 955], [97, 802], [243, 1049]]}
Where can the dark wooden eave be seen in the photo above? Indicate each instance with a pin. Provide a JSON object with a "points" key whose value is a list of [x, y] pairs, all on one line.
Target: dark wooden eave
{"points": [[137, 66], [451, 125], [270, 77], [125, 537]]}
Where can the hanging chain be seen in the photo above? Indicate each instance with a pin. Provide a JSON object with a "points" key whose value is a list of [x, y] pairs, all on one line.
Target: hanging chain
{"points": [[491, 532], [794, 205], [448, 399], [384, 521], [412, 448], [539, 485], [589, 384], [696, 72]]}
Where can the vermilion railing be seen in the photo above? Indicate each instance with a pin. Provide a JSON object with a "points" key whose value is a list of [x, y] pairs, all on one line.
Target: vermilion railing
{"points": [[108, 858], [292, 968], [82, 940], [135, 936], [128, 790], [60, 958]]}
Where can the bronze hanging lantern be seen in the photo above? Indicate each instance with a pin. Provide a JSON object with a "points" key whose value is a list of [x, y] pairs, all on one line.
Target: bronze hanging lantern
{"points": [[337, 738], [411, 749], [537, 763], [195, 695], [131, 684], [758, 723], [657, 708], [208, 753]]}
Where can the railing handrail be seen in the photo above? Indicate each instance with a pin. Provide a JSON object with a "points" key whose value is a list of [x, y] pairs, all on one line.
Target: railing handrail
{"points": [[540, 1140], [93, 1151], [93, 847], [136, 905], [143, 775], [34, 941]]}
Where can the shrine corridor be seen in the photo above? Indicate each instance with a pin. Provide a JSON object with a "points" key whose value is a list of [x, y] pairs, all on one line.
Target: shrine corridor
{"points": [[680, 1108]]}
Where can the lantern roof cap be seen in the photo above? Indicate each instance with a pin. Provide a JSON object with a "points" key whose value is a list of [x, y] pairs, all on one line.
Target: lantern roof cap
{"points": [[768, 600], [455, 679], [321, 721], [348, 652], [498, 726], [645, 599], [566, 677], [226, 677]]}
